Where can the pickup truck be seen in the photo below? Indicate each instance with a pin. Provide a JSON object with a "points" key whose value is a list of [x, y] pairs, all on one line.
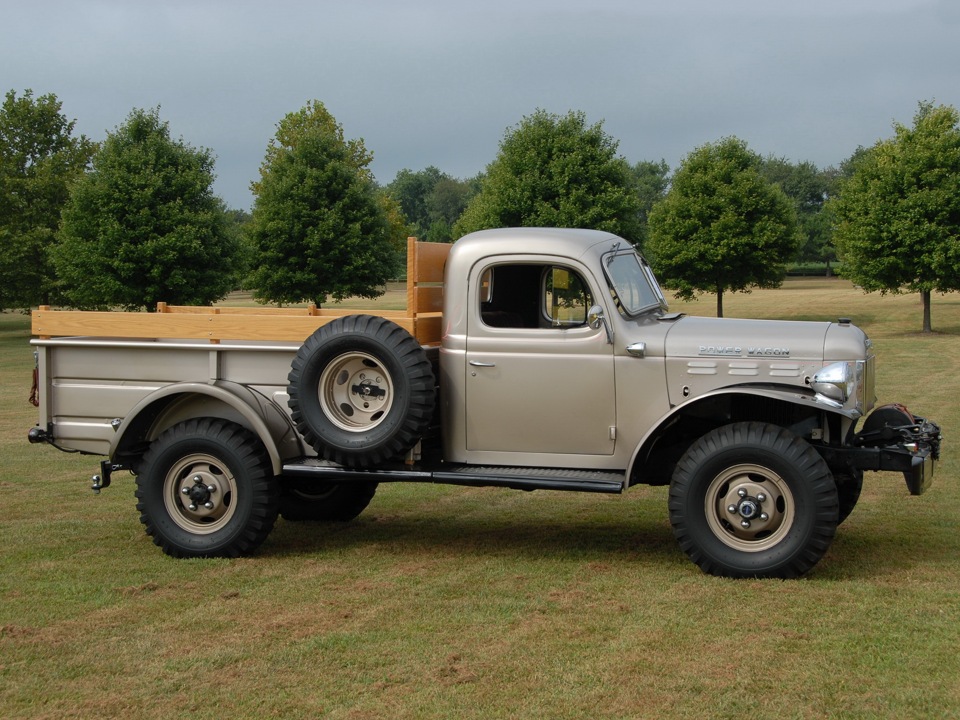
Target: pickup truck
{"points": [[527, 359]]}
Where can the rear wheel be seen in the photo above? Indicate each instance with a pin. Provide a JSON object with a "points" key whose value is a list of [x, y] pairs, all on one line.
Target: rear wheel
{"points": [[753, 500], [206, 489], [324, 502]]}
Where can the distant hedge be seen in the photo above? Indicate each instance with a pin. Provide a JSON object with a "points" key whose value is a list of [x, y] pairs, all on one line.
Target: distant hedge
{"points": [[812, 269]]}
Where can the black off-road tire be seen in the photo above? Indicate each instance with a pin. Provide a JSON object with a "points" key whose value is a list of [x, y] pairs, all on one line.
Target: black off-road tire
{"points": [[753, 500], [324, 502], [849, 486], [361, 391], [205, 488]]}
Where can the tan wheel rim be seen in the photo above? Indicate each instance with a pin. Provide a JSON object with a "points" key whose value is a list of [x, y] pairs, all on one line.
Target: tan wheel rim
{"points": [[199, 493], [749, 508]]}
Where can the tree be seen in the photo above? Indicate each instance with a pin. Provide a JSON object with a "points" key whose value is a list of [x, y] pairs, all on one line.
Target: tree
{"points": [[556, 171], [722, 226], [319, 225], [808, 187], [432, 201], [144, 226], [898, 213], [411, 190], [39, 158], [651, 182]]}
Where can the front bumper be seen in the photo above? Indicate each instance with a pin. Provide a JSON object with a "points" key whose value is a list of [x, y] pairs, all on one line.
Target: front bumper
{"points": [[895, 441]]}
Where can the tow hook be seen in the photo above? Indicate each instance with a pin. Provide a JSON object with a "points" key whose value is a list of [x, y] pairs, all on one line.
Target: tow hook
{"points": [[102, 480]]}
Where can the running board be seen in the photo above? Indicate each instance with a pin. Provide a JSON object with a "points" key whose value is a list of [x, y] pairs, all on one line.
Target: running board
{"points": [[517, 478]]}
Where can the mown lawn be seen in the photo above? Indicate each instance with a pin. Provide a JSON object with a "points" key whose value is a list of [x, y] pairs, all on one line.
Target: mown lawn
{"points": [[443, 602]]}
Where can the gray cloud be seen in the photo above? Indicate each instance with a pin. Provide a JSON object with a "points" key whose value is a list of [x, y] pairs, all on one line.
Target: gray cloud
{"points": [[437, 83]]}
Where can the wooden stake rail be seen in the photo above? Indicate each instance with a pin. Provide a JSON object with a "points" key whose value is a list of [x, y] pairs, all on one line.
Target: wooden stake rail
{"points": [[422, 319]]}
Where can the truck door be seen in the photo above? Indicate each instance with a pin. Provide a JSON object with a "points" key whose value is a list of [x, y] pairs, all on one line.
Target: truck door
{"points": [[539, 378]]}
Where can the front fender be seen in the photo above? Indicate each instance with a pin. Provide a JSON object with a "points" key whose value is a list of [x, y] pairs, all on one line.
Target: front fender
{"points": [[804, 402], [183, 401]]}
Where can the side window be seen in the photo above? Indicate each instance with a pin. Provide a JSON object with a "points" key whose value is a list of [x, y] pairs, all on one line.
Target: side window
{"points": [[533, 296], [566, 297]]}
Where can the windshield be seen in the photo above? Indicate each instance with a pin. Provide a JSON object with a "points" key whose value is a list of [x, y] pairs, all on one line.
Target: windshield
{"points": [[632, 284]]}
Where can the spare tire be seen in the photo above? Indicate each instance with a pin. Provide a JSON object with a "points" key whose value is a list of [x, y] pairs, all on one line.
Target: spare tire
{"points": [[361, 391]]}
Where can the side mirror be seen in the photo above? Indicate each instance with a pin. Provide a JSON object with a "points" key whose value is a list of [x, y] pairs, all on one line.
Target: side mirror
{"points": [[596, 319]]}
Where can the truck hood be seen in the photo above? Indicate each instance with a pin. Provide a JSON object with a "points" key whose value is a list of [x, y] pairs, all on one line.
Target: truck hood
{"points": [[700, 337]]}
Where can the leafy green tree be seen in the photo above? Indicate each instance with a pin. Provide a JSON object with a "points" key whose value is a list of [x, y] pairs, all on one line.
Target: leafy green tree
{"points": [[238, 226], [808, 187], [39, 158], [722, 226], [411, 190], [556, 171], [432, 201], [898, 213], [446, 202], [320, 227], [144, 226], [651, 181]]}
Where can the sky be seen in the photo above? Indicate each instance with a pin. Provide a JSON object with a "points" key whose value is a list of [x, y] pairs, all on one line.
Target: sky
{"points": [[439, 82]]}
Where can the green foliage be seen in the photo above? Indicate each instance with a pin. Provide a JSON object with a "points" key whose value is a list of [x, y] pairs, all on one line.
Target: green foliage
{"points": [[319, 225], [898, 213], [144, 226], [651, 181], [432, 201], [808, 188], [722, 226], [556, 171], [39, 159]]}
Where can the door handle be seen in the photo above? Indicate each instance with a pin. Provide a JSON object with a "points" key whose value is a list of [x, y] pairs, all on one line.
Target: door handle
{"points": [[477, 363], [637, 349]]}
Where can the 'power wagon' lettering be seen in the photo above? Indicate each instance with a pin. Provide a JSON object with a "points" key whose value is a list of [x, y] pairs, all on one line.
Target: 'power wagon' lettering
{"points": [[714, 350], [771, 351]]}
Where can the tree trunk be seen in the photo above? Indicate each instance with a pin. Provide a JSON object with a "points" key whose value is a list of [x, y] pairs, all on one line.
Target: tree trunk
{"points": [[925, 295], [719, 302]]}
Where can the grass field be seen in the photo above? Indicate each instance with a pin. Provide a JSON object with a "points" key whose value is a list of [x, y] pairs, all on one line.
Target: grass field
{"points": [[442, 602]]}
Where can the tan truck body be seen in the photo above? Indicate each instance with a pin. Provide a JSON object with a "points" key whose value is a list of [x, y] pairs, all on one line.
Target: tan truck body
{"points": [[557, 367]]}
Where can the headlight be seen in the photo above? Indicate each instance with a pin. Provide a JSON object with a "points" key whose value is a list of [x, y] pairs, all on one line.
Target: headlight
{"points": [[840, 382]]}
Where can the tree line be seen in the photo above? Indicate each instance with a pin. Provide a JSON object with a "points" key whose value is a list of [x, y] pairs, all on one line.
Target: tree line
{"points": [[133, 219]]}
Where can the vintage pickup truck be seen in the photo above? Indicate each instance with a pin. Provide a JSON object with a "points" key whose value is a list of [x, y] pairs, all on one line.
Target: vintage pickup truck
{"points": [[526, 358]]}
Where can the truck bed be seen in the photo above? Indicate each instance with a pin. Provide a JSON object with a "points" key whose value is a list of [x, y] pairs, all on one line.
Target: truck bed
{"points": [[422, 318]]}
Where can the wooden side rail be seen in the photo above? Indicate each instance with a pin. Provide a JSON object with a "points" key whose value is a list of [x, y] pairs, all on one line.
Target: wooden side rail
{"points": [[425, 264], [422, 319]]}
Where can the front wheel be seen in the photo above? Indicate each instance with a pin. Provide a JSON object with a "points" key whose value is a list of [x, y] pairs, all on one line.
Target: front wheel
{"points": [[753, 500], [206, 489]]}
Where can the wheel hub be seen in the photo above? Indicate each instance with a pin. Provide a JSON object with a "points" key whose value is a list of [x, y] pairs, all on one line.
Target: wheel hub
{"points": [[199, 493], [355, 392], [749, 507]]}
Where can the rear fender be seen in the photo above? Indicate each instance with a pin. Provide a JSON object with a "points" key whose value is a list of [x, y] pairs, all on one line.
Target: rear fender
{"points": [[183, 401]]}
